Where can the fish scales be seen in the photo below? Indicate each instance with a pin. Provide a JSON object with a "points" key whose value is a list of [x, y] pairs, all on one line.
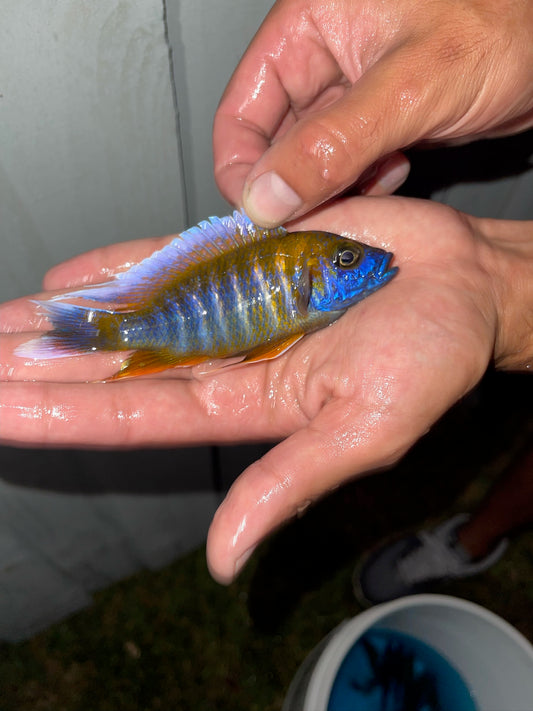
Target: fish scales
{"points": [[223, 289], [238, 306], [252, 301]]}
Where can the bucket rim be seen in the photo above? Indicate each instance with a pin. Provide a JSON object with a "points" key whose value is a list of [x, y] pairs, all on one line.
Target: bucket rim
{"points": [[342, 637]]}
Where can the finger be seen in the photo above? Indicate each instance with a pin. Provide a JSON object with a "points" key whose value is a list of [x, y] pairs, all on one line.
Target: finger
{"points": [[107, 415], [323, 154], [295, 473], [21, 315], [143, 412], [386, 176], [286, 69]]}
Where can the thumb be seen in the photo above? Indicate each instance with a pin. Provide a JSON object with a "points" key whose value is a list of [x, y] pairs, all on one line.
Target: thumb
{"points": [[296, 472], [323, 154]]}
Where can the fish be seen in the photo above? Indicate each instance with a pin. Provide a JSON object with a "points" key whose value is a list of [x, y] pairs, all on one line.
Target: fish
{"points": [[223, 292]]}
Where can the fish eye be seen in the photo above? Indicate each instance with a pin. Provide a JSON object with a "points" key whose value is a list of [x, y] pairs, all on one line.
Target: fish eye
{"points": [[347, 257]]}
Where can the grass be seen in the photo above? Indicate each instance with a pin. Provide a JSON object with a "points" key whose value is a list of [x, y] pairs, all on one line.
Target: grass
{"points": [[174, 639]]}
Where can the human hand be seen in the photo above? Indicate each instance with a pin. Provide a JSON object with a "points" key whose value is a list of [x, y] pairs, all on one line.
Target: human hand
{"points": [[345, 400], [329, 89]]}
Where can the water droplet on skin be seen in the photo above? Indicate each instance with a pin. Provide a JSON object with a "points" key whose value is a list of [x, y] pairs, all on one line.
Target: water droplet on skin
{"points": [[58, 413], [129, 416]]}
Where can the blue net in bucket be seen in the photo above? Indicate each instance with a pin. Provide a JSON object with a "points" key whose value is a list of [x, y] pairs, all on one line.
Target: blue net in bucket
{"points": [[386, 670]]}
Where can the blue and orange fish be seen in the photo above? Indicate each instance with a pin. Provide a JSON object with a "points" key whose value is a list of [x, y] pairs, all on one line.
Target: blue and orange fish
{"points": [[224, 290]]}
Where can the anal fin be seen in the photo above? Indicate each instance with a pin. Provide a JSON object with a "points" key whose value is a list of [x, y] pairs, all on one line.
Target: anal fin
{"points": [[149, 362]]}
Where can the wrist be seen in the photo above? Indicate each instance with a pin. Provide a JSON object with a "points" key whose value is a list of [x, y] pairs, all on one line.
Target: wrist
{"points": [[507, 257]]}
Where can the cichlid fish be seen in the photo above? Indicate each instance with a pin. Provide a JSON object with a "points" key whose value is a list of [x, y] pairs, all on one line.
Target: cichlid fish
{"points": [[224, 290]]}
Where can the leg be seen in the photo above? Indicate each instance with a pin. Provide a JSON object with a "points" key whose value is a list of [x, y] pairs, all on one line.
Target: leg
{"points": [[460, 547], [508, 507]]}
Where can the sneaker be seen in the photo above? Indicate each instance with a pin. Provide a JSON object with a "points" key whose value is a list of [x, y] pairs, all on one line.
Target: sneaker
{"points": [[412, 563]]}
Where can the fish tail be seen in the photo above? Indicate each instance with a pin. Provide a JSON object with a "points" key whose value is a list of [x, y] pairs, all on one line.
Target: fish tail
{"points": [[76, 330]]}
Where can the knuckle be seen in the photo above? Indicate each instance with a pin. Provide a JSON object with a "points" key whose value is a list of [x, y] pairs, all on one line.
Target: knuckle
{"points": [[328, 154]]}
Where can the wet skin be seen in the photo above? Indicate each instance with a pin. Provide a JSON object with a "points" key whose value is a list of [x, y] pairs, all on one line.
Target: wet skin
{"points": [[345, 400], [329, 88]]}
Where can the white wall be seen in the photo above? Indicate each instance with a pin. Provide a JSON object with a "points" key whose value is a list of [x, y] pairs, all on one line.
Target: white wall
{"points": [[207, 38], [101, 141], [88, 147], [91, 154]]}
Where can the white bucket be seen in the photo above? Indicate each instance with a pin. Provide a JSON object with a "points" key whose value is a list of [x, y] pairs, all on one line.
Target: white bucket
{"points": [[493, 659]]}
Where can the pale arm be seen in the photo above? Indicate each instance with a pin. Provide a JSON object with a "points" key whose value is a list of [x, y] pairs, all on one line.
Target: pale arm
{"points": [[511, 265]]}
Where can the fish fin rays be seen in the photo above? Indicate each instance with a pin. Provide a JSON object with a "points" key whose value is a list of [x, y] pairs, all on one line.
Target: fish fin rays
{"points": [[303, 290], [272, 350], [215, 365], [267, 352], [150, 362], [206, 240]]}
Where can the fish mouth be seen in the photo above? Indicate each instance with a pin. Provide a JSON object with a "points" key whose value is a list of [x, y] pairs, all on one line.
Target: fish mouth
{"points": [[384, 274]]}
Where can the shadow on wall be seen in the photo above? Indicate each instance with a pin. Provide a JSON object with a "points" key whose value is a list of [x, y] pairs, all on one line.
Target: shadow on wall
{"points": [[488, 419], [140, 471], [483, 161]]}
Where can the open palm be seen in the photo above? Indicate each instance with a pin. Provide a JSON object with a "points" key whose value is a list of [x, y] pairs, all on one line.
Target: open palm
{"points": [[350, 398]]}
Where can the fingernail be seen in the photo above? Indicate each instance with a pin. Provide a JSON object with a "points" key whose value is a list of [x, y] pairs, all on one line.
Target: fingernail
{"points": [[385, 178], [242, 560], [269, 201], [396, 176], [389, 178]]}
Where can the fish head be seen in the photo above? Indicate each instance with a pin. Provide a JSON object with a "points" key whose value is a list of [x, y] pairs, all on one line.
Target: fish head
{"points": [[345, 271]]}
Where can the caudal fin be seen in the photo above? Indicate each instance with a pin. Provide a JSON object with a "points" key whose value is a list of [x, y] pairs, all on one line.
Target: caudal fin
{"points": [[76, 330]]}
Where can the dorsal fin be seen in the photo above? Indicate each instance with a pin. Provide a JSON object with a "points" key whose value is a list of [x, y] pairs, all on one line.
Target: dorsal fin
{"points": [[204, 241]]}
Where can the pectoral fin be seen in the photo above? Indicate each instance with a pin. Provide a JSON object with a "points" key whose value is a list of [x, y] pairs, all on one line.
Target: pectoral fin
{"points": [[266, 352], [303, 291], [272, 350]]}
